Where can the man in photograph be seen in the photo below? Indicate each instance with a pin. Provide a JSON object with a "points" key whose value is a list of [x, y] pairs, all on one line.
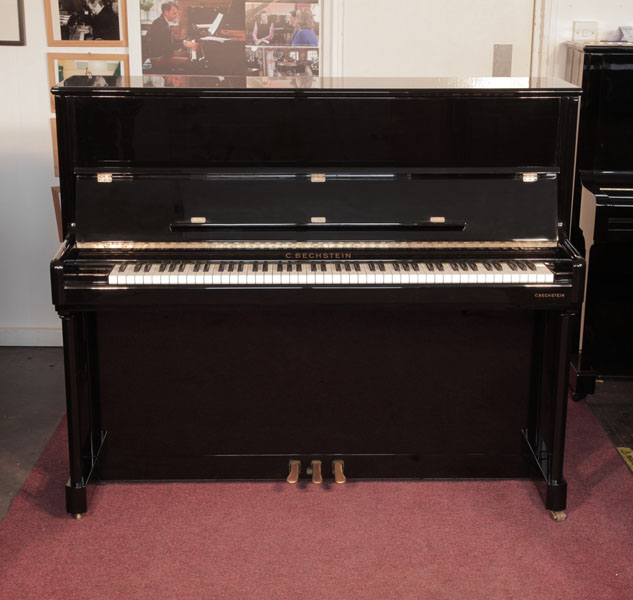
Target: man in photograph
{"points": [[163, 44], [104, 22]]}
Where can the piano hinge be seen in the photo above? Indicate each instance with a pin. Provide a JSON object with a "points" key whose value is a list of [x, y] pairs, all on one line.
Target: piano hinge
{"points": [[529, 177], [318, 177], [104, 177]]}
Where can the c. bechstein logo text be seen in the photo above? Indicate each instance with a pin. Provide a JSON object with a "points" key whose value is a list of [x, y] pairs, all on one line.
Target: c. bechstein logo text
{"points": [[549, 295], [318, 255]]}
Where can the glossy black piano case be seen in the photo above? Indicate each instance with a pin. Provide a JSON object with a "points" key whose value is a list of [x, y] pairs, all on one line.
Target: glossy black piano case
{"points": [[237, 383]]}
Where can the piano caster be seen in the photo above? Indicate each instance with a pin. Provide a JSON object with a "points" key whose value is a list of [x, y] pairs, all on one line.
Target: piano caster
{"points": [[78, 516], [337, 469], [295, 469], [558, 515], [315, 471]]}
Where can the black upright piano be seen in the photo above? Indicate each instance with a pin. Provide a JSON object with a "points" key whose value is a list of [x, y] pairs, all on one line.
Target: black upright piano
{"points": [[341, 279], [602, 222]]}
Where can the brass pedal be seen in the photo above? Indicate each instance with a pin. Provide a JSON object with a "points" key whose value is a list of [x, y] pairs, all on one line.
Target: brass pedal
{"points": [[337, 469], [295, 469], [316, 472]]}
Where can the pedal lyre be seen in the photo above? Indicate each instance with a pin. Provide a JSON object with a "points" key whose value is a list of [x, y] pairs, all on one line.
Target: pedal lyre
{"points": [[295, 469], [316, 472], [337, 469]]}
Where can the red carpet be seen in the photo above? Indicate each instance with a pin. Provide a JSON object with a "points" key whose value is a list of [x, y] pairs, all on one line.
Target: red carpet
{"points": [[436, 540]]}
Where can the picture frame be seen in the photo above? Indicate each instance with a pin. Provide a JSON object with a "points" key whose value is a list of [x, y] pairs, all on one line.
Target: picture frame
{"points": [[55, 150], [93, 23], [12, 23], [57, 207], [104, 69]]}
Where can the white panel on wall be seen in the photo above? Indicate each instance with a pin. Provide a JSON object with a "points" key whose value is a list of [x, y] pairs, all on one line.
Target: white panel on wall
{"points": [[609, 14], [424, 38]]}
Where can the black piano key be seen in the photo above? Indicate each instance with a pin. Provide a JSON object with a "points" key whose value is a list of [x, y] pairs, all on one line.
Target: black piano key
{"points": [[372, 267], [240, 268], [381, 266], [162, 267], [289, 268], [338, 266], [313, 267], [280, 267], [512, 265], [396, 267], [487, 266], [454, 266], [221, 269], [255, 267], [207, 265], [122, 267], [406, 266], [430, 266], [231, 267], [348, 267], [147, 267], [298, 268], [196, 267], [463, 266], [323, 267], [521, 265], [473, 266], [415, 266], [182, 266], [265, 267], [356, 267], [172, 266], [531, 266], [137, 267], [497, 266]]}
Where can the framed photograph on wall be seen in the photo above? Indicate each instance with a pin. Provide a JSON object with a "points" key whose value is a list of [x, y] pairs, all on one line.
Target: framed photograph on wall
{"points": [[86, 22], [92, 70], [55, 151], [57, 207], [12, 23]]}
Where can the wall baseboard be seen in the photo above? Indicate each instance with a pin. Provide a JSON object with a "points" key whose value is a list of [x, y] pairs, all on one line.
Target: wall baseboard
{"points": [[30, 336]]}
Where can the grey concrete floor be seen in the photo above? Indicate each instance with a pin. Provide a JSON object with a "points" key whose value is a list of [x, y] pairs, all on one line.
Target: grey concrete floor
{"points": [[32, 402]]}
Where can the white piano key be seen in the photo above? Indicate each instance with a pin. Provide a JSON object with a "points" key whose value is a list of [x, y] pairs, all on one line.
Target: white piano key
{"points": [[362, 275], [337, 276], [305, 274], [319, 277], [268, 274], [294, 275], [190, 275]]}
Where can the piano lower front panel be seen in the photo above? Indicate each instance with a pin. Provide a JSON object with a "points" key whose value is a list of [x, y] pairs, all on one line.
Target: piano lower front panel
{"points": [[236, 392]]}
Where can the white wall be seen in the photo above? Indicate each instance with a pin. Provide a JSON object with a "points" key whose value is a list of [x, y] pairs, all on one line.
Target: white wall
{"points": [[28, 232], [28, 237], [609, 14], [426, 38]]}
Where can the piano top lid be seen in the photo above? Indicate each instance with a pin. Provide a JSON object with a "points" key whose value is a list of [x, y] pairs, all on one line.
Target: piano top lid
{"points": [[603, 47], [422, 86]]}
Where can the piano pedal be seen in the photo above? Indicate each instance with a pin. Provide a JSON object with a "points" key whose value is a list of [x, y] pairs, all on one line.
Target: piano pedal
{"points": [[337, 469], [295, 469], [315, 471]]}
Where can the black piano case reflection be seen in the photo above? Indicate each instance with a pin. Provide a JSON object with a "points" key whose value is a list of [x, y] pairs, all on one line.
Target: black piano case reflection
{"points": [[603, 209], [358, 306]]}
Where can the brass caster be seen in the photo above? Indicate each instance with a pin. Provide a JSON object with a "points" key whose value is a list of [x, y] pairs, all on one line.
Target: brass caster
{"points": [[316, 472], [558, 515], [295, 469], [337, 469], [78, 516]]}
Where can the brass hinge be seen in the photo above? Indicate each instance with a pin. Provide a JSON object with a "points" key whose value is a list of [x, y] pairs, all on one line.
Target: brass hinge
{"points": [[104, 177], [318, 178], [529, 177]]}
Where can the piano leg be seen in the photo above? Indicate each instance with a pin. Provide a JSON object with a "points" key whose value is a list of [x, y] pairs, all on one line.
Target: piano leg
{"points": [[85, 438], [546, 435]]}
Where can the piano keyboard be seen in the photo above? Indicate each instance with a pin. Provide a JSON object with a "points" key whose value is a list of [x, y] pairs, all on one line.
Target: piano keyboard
{"points": [[246, 273]]}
